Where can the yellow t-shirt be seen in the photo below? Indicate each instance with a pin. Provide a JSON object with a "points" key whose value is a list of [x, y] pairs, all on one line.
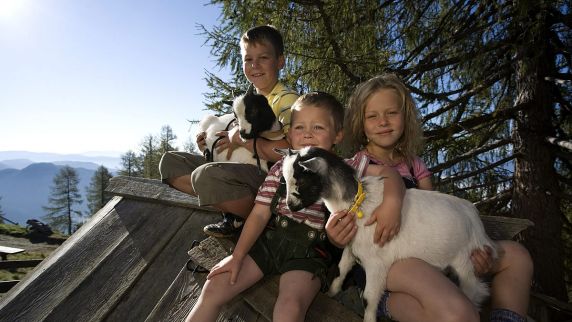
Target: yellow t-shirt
{"points": [[281, 99]]}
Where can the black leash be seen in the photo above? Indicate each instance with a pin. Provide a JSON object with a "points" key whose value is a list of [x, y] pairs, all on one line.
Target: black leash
{"points": [[191, 266], [209, 153], [256, 156]]}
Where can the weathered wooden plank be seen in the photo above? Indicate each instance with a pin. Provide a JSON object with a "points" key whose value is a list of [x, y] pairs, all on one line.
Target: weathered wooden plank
{"points": [[262, 296], [180, 298], [504, 228], [170, 259], [23, 263], [5, 286], [37, 294], [148, 228], [152, 190], [86, 277], [183, 294]]}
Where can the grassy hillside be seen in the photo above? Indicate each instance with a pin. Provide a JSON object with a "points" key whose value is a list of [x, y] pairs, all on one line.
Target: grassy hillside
{"points": [[35, 246]]}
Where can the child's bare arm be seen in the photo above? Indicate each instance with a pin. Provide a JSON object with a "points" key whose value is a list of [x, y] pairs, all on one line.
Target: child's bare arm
{"points": [[264, 148], [388, 213], [253, 227], [425, 184]]}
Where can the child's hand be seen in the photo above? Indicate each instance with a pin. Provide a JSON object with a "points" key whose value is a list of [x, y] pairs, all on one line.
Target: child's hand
{"points": [[231, 142], [201, 141], [482, 261], [388, 223], [341, 228], [229, 264]]}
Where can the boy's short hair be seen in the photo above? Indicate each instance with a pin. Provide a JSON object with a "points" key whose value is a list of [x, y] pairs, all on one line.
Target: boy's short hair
{"points": [[325, 101], [267, 33]]}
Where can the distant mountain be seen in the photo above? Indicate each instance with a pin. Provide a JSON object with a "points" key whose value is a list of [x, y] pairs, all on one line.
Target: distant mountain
{"points": [[80, 164], [21, 159], [17, 163], [25, 191]]}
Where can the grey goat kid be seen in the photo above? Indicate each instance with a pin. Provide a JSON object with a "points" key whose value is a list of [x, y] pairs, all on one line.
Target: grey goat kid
{"points": [[440, 229]]}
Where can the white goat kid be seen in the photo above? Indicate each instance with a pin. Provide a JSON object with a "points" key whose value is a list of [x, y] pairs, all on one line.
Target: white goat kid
{"points": [[440, 229], [253, 118]]}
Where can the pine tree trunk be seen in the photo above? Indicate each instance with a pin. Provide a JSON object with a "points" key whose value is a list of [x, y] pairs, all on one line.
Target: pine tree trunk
{"points": [[536, 190]]}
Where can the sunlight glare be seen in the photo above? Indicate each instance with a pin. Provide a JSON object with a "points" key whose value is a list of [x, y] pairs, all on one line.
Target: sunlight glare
{"points": [[11, 9]]}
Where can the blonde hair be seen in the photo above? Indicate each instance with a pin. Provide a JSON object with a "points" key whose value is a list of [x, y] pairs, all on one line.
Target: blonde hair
{"points": [[411, 141], [324, 101]]}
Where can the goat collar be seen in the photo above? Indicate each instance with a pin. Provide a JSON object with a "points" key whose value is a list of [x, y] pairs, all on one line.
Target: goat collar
{"points": [[358, 199]]}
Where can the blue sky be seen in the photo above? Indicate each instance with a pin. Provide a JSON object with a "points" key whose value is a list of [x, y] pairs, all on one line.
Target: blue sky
{"points": [[99, 75]]}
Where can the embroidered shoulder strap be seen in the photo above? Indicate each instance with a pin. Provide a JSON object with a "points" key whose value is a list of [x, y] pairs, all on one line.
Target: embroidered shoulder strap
{"points": [[280, 192]]}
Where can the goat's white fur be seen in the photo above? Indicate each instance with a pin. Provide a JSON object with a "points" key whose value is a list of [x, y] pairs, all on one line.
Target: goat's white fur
{"points": [[211, 124], [438, 228]]}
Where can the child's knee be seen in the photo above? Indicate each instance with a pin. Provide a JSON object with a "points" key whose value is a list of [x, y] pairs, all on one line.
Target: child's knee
{"points": [[289, 306], [212, 295], [516, 256], [201, 174]]}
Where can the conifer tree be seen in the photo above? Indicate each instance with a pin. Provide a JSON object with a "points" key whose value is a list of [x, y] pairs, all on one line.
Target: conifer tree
{"points": [[1, 212], [191, 146], [150, 157], [166, 139], [492, 80], [63, 199], [95, 192], [130, 165]]}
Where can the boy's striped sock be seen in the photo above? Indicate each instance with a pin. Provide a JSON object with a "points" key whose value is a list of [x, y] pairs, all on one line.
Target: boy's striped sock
{"points": [[504, 315], [382, 309]]}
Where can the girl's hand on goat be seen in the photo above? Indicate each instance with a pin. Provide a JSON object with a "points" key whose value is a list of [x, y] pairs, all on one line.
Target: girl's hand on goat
{"points": [[201, 141], [341, 228], [388, 214], [388, 219], [228, 264], [482, 261]]}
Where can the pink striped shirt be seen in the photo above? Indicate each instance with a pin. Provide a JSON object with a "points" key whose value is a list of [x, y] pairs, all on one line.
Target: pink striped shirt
{"points": [[361, 160], [313, 216]]}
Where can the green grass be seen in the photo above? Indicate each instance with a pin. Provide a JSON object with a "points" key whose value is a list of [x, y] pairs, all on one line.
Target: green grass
{"points": [[13, 230], [19, 273], [22, 232], [19, 231]]}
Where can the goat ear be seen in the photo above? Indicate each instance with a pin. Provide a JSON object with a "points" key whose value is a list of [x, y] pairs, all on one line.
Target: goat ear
{"points": [[316, 165], [285, 152]]}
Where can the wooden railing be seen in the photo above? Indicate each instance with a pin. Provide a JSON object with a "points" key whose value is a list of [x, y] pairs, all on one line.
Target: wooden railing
{"points": [[5, 286]]}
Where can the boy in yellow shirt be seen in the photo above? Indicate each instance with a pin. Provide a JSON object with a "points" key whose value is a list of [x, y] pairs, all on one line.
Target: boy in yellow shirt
{"points": [[232, 187]]}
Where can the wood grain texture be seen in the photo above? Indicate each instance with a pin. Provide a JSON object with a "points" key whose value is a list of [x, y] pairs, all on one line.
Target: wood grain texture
{"points": [[183, 294], [45, 287], [152, 190], [129, 252], [160, 273], [504, 228]]}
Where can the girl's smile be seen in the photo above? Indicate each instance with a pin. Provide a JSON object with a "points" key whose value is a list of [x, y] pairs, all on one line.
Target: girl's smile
{"points": [[383, 121]]}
